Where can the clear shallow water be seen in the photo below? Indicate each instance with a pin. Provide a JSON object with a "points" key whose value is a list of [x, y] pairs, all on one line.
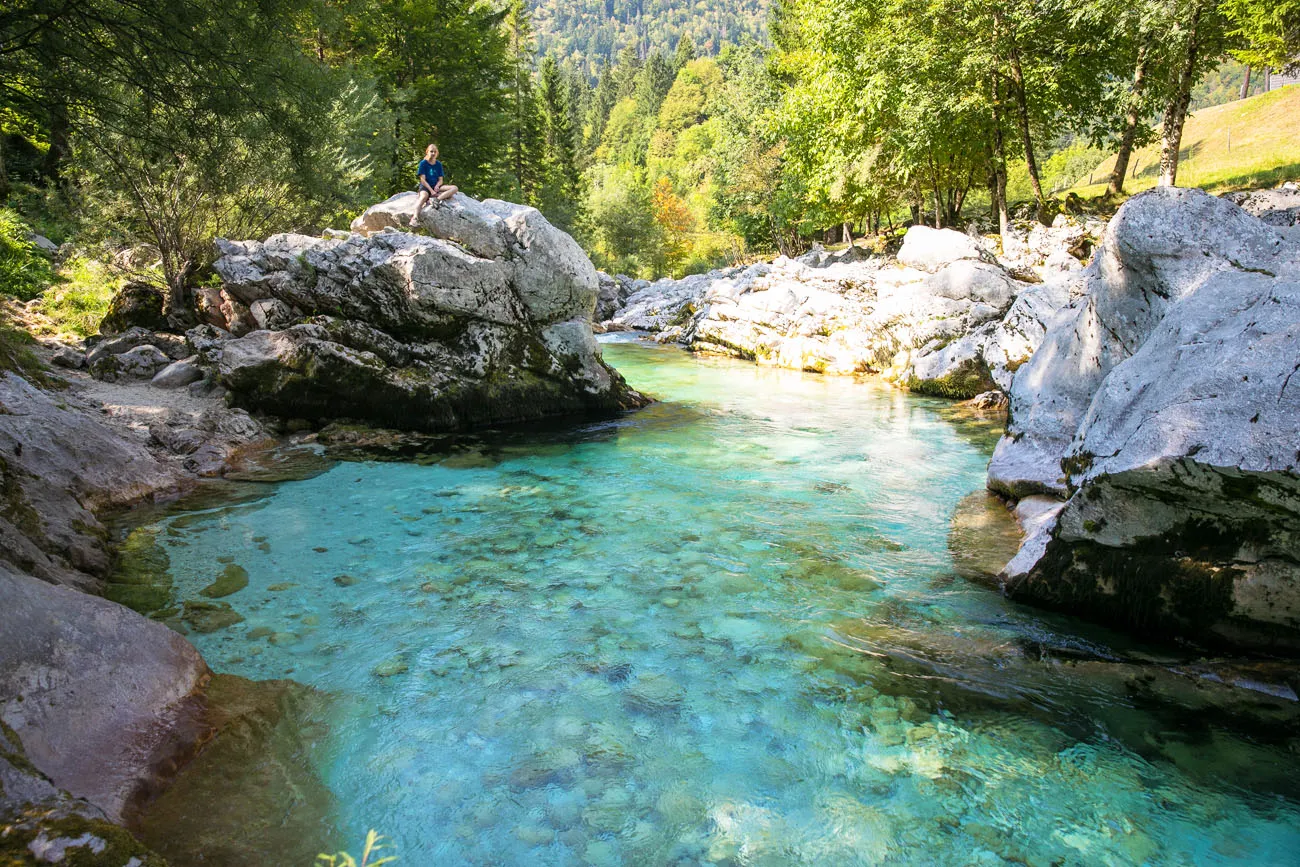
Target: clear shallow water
{"points": [[722, 630]]}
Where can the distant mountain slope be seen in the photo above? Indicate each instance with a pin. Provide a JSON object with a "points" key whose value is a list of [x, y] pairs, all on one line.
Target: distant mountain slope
{"points": [[588, 30]]}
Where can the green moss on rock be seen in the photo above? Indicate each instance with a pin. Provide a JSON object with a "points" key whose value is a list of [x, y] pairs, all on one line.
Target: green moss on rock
{"points": [[232, 579], [103, 844], [969, 379], [206, 617]]}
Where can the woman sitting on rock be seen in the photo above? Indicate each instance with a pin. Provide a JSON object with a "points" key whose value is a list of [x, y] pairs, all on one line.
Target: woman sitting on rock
{"points": [[430, 175]]}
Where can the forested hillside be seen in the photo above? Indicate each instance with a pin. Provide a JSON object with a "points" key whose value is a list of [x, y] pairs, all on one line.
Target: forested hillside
{"points": [[172, 122], [588, 31]]}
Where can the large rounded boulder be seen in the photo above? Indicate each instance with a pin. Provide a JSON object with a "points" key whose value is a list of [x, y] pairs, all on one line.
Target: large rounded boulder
{"points": [[481, 316]]}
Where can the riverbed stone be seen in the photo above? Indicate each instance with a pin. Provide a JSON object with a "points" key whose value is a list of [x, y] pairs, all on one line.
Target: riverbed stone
{"points": [[391, 667], [178, 374], [654, 693], [232, 579], [253, 795], [206, 617]]}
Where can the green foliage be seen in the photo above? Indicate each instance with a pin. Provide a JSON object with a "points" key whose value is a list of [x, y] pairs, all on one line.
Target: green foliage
{"points": [[80, 297], [1269, 28], [624, 235], [374, 844], [25, 270]]}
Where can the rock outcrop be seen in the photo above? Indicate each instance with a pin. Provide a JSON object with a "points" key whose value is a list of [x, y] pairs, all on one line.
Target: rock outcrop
{"points": [[485, 319], [944, 318], [59, 466], [92, 690], [1279, 207], [1163, 408]]}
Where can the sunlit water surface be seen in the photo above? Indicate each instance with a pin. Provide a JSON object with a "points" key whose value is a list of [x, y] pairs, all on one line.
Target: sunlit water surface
{"points": [[722, 630]]}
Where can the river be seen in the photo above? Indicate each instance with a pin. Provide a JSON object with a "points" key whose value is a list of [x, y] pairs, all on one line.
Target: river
{"points": [[727, 629]]}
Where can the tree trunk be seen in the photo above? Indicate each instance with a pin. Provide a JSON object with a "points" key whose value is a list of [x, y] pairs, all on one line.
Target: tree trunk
{"points": [[848, 233], [1245, 85], [999, 167], [1115, 186], [1022, 118], [1171, 133], [52, 164]]}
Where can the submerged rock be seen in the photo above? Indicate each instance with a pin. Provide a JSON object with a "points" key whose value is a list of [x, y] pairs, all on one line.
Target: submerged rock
{"points": [[1163, 407], [232, 579], [252, 795], [204, 617], [487, 321]]}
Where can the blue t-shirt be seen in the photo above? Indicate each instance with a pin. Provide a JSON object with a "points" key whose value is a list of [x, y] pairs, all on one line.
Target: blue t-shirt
{"points": [[430, 171]]}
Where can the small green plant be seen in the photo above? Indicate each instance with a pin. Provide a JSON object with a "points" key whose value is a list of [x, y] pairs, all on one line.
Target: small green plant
{"points": [[24, 270], [374, 842]]}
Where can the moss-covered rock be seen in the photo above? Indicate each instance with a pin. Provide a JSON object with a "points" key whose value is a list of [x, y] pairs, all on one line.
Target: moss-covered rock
{"points": [[38, 836], [967, 379], [232, 579], [206, 617]]}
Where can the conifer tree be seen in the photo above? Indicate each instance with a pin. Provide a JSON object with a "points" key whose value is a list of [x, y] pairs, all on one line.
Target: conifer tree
{"points": [[524, 139], [602, 102], [684, 54], [562, 182]]}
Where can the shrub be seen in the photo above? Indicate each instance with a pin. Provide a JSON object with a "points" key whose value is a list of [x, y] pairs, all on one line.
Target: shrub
{"points": [[25, 272]]}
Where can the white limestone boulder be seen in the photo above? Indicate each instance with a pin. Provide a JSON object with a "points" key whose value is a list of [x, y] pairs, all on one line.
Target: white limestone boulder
{"points": [[489, 321], [933, 249], [1163, 407]]}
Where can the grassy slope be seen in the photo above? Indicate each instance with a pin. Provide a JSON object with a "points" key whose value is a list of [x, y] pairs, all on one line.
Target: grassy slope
{"points": [[1265, 148]]}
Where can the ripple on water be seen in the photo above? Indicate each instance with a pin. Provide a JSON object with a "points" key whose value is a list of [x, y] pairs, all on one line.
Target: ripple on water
{"points": [[723, 630]]}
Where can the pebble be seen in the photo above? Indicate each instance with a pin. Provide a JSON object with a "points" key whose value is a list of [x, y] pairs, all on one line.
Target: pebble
{"points": [[534, 835], [390, 667]]}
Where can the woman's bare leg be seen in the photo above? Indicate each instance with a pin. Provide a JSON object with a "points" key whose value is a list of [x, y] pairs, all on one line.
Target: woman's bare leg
{"points": [[419, 206], [446, 191]]}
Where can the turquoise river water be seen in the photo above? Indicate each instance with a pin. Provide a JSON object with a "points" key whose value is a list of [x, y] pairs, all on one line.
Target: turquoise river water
{"points": [[724, 630]]}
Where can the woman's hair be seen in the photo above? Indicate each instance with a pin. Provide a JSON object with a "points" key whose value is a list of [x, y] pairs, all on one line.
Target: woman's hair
{"points": [[431, 147]]}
